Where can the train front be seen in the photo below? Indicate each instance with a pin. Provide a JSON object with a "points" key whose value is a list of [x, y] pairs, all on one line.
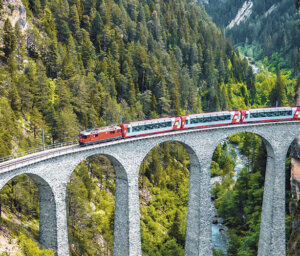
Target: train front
{"points": [[82, 138]]}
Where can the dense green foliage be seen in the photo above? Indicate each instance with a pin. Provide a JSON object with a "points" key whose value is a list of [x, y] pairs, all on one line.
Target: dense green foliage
{"points": [[87, 63], [163, 200], [90, 207], [272, 34]]}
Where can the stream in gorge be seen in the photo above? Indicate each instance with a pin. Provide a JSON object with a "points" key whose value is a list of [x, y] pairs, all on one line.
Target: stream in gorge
{"points": [[220, 238]]}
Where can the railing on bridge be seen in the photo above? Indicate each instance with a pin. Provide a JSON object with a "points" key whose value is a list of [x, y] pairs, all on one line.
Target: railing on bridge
{"points": [[39, 149]]}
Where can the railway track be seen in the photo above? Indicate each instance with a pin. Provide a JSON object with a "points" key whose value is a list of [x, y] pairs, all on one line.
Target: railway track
{"points": [[52, 152]]}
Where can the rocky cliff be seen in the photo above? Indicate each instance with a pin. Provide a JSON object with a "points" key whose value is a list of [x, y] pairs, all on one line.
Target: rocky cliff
{"points": [[293, 247], [15, 11]]}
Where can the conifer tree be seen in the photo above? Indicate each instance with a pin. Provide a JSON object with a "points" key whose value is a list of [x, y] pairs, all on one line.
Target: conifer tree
{"points": [[175, 229], [96, 29], [74, 21], [9, 39], [20, 44], [278, 94]]}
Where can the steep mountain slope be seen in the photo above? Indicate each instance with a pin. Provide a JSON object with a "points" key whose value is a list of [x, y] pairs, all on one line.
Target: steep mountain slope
{"points": [[83, 64], [271, 27]]}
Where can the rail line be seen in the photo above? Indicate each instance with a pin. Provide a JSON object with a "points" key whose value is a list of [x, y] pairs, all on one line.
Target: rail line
{"points": [[20, 160]]}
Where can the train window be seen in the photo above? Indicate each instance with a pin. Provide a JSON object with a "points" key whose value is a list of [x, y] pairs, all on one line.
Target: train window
{"points": [[196, 120], [84, 136], [112, 132], [96, 135], [246, 116], [187, 122], [214, 118], [137, 128], [128, 130]]}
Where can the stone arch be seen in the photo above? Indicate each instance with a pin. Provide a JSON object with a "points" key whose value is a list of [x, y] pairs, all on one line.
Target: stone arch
{"points": [[121, 214], [193, 215], [265, 237], [47, 209], [231, 132]]}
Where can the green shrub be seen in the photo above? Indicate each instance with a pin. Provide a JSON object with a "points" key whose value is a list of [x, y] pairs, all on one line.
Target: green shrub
{"points": [[30, 248]]}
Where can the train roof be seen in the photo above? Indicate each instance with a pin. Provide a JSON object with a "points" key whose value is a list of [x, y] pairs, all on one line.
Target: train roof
{"points": [[268, 109], [100, 129], [211, 113], [151, 120]]}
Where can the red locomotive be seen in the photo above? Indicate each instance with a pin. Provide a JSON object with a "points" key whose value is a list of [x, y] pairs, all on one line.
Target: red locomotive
{"points": [[168, 124], [101, 134]]}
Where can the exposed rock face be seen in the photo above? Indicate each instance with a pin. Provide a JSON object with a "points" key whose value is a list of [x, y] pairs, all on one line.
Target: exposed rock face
{"points": [[295, 150], [294, 241], [242, 15], [15, 11]]}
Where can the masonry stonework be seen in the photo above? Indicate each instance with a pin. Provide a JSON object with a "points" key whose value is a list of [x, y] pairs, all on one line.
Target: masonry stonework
{"points": [[52, 172]]}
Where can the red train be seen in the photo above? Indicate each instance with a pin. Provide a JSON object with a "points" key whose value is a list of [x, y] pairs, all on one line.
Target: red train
{"points": [[167, 124]]}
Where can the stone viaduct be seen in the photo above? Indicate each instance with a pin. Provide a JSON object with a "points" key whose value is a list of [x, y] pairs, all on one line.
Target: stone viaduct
{"points": [[52, 169]]}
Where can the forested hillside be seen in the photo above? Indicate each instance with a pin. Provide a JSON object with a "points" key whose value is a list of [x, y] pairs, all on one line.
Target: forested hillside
{"points": [[79, 64], [266, 28], [86, 63]]}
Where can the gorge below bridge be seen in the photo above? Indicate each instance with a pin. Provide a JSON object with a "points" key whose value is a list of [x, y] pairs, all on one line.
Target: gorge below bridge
{"points": [[52, 169]]}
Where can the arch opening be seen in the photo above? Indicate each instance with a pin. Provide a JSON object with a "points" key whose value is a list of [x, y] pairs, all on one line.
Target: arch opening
{"points": [[169, 222], [238, 170], [27, 216], [292, 198], [94, 192]]}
